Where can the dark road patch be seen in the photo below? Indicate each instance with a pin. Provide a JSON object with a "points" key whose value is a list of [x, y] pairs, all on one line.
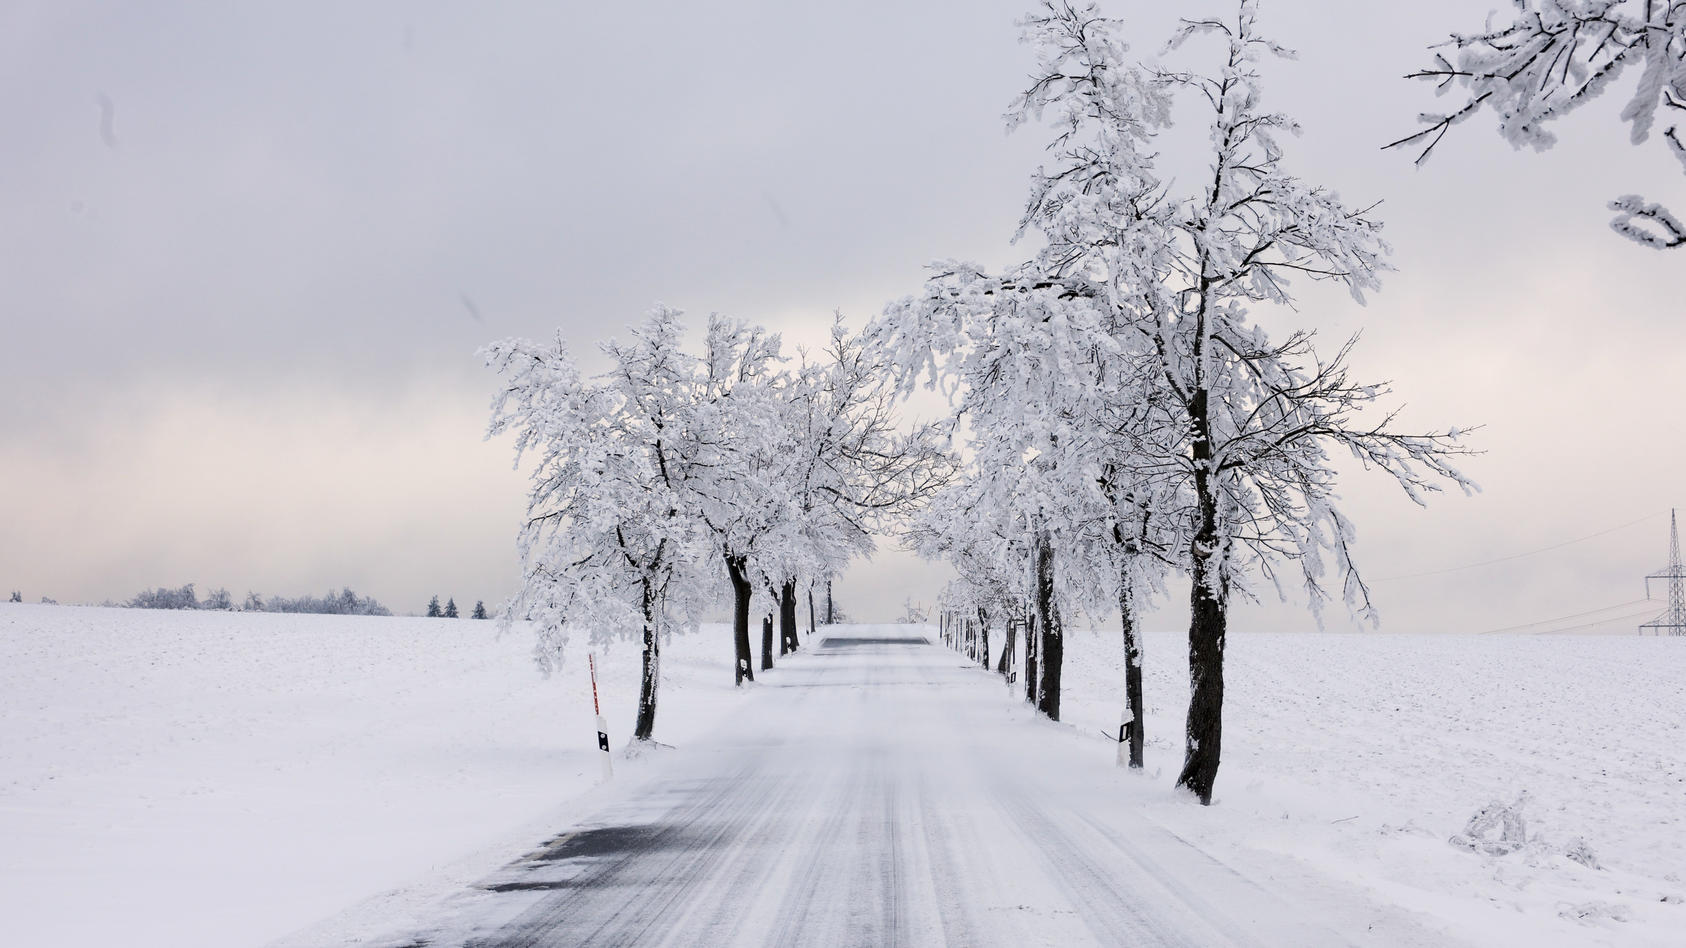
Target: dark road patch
{"points": [[550, 886], [607, 841], [865, 643]]}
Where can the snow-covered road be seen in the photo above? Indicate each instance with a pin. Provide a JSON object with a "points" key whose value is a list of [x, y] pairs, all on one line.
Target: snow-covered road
{"points": [[876, 791]]}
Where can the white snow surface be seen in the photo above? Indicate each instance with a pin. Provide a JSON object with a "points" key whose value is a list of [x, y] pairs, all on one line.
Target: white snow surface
{"points": [[228, 779], [221, 779]]}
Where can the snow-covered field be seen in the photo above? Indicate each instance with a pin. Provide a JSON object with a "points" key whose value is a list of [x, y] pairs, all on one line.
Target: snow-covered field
{"points": [[218, 779], [226, 779], [1362, 755]]}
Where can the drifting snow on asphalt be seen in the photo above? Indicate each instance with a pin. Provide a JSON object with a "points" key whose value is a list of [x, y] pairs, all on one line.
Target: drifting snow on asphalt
{"points": [[878, 791]]}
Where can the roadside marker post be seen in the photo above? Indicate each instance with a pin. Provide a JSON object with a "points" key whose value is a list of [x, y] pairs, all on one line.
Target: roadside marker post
{"points": [[1124, 738], [602, 727]]}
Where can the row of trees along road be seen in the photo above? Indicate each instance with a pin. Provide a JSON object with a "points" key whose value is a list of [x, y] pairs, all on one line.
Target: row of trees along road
{"points": [[1123, 414], [675, 471]]}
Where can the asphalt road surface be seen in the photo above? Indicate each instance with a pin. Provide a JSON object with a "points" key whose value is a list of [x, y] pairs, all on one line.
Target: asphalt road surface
{"points": [[877, 790]]}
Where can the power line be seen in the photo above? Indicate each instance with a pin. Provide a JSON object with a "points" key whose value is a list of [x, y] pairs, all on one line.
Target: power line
{"points": [[1589, 625], [1518, 556], [1575, 615]]}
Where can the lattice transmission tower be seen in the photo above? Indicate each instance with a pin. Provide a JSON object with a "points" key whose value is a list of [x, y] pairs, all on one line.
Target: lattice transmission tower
{"points": [[1672, 622]]}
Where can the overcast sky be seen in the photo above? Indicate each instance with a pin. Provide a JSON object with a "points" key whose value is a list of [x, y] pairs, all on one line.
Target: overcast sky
{"points": [[248, 257]]}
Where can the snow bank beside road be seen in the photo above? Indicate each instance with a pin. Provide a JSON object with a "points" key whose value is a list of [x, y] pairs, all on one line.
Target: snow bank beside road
{"points": [[219, 779]]}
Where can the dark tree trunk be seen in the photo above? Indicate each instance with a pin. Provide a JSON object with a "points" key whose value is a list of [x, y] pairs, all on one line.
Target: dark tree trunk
{"points": [[737, 569], [828, 620], [646, 724], [767, 642], [1005, 668], [810, 612], [1134, 733], [787, 618], [1207, 621], [1032, 681], [983, 636], [1206, 679], [1052, 648]]}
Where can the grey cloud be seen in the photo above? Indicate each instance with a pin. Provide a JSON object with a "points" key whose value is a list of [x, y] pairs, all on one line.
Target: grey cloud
{"points": [[311, 206]]}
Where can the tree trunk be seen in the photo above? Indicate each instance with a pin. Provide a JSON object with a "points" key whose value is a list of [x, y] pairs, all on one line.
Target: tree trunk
{"points": [[787, 617], [810, 611], [767, 642], [1134, 733], [983, 636], [1207, 621], [646, 724], [1005, 669], [1032, 681], [737, 570], [828, 620], [1052, 648]]}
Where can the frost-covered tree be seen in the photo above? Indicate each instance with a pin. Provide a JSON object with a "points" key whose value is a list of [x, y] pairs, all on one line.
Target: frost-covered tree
{"points": [[342, 603], [1053, 397], [433, 610], [1554, 56], [742, 451], [479, 610], [984, 545], [1132, 411], [611, 545], [854, 472], [161, 598], [1250, 421], [451, 609]]}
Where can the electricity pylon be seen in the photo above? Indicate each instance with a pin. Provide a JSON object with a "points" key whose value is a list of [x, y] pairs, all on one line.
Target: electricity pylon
{"points": [[1672, 622]]}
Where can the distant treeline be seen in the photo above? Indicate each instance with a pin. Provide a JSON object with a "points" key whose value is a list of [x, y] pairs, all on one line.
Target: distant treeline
{"points": [[342, 603]]}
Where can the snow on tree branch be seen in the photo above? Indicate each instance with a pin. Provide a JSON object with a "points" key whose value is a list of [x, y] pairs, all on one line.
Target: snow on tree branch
{"points": [[1556, 56]]}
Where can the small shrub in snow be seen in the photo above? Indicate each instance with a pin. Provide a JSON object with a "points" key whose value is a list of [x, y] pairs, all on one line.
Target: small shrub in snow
{"points": [[1496, 829], [1580, 852]]}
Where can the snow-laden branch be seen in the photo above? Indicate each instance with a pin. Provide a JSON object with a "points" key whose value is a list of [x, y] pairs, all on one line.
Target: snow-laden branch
{"points": [[1556, 56]]}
